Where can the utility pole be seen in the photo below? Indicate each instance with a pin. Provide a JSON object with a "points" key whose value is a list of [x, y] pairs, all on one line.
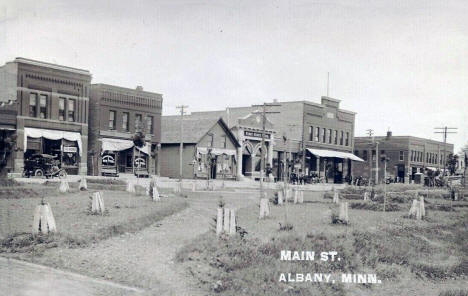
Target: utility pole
{"points": [[370, 132], [181, 148], [445, 130], [262, 145]]}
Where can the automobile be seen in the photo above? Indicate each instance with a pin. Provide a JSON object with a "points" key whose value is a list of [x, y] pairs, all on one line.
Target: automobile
{"points": [[43, 165]]}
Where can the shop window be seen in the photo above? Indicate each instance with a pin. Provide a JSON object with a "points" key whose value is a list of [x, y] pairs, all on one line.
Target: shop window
{"points": [[43, 106], [125, 117], [112, 114], [71, 110], [32, 105], [62, 109], [149, 124]]}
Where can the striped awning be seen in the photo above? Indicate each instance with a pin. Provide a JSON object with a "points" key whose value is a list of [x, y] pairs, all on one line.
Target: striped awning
{"points": [[333, 154]]}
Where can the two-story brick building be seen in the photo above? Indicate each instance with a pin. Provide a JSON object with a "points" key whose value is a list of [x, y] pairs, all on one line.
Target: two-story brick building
{"points": [[115, 112], [316, 139], [48, 111], [406, 156]]}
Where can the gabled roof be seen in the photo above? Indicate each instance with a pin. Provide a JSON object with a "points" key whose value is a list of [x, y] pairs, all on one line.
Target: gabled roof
{"points": [[194, 129]]}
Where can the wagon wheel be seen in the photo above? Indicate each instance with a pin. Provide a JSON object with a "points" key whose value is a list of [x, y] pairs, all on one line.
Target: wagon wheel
{"points": [[62, 174], [39, 173]]}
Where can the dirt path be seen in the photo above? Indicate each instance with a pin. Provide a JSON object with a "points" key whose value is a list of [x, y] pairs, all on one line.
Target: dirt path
{"points": [[146, 259]]}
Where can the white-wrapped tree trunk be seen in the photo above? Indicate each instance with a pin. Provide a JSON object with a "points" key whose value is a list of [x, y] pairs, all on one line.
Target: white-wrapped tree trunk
{"points": [[226, 220], [366, 196], [280, 197], [300, 198], [64, 187], [97, 206], [264, 208], [343, 215], [415, 210], [219, 221], [336, 197], [296, 193], [130, 186], [83, 184], [43, 221], [232, 223]]}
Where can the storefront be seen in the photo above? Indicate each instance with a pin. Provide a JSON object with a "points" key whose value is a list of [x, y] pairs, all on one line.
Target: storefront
{"points": [[121, 156], [65, 146], [329, 166], [220, 163]]}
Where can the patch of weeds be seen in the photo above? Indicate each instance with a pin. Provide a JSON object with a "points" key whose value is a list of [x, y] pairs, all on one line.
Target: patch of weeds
{"points": [[454, 292], [286, 226]]}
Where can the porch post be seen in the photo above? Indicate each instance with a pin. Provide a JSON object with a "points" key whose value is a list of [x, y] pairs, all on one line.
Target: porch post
{"points": [[239, 162], [270, 153]]}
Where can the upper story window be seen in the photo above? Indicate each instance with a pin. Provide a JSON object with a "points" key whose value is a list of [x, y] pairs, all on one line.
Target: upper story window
{"points": [[356, 152], [71, 110], [311, 133], [364, 155], [335, 137], [112, 116], [62, 109], [149, 124], [347, 139], [317, 134], [342, 138], [125, 126], [324, 135], [329, 136], [32, 105], [373, 155], [138, 121], [43, 106], [402, 156]]}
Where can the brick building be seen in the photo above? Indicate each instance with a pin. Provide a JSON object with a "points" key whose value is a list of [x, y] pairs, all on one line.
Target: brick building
{"points": [[316, 139], [114, 113], [46, 106], [209, 148], [406, 155]]}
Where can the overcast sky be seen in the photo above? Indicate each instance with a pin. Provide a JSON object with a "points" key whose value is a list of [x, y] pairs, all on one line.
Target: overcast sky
{"points": [[401, 65]]}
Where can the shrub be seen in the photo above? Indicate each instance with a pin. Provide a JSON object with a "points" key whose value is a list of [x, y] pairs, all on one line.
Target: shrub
{"points": [[106, 181], [285, 227], [6, 182]]}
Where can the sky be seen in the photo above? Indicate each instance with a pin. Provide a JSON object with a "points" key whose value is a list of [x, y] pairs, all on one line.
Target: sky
{"points": [[400, 65]]}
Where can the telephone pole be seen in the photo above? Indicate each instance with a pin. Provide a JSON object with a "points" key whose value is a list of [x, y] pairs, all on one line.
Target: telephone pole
{"points": [[181, 148], [445, 131], [262, 145]]}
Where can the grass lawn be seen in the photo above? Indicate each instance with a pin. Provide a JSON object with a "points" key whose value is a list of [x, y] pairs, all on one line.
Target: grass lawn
{"points": [[76, 227], [410, 257]]}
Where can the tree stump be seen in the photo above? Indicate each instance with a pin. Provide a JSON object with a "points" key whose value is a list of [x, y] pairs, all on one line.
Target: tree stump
{"points": [[64, 187], [43, 221], [219, 221], [264, 208], [296, 192], [83, 184], [343, 215], [97, 206]]}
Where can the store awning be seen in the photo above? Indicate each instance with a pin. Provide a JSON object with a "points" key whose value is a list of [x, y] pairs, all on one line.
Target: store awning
{"points": [[331, 153], [109, 144], [51, 135], [216, 151]]}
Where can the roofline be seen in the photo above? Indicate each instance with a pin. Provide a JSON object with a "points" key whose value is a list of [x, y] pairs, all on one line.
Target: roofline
{"points": [[96, 85], [331, 99], [51, 65], [402, 137]]}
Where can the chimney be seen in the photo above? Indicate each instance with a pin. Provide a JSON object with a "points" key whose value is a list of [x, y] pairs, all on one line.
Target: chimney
{"points": [[139, 88], [389, 134], [275, 101]]}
